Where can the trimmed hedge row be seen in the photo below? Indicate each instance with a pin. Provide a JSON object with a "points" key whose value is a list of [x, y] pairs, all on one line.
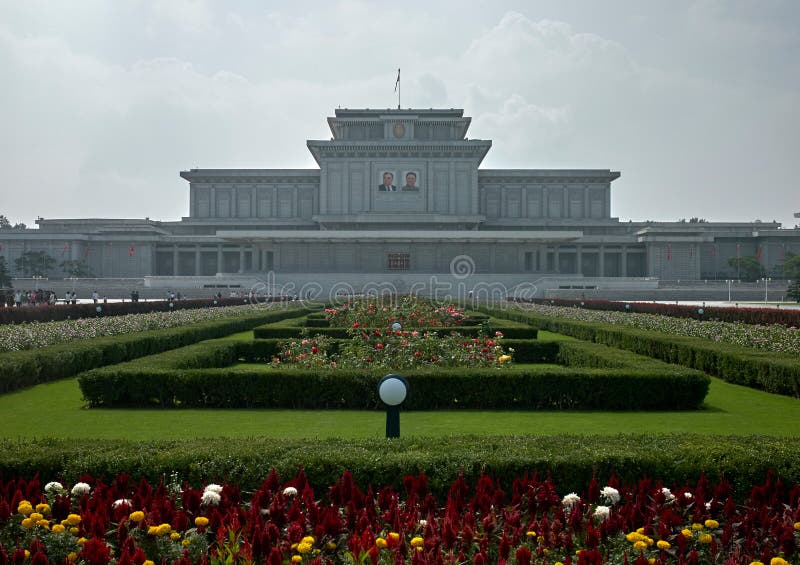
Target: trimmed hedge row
{"points": [[569, 460], [598, 377], [270, 332], [773, 372], [45, 313], [20, 369], [762, 316]]}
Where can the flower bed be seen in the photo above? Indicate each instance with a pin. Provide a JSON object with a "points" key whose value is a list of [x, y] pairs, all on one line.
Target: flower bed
{"points": [[758, 316], [408, 311], [528, 521]]}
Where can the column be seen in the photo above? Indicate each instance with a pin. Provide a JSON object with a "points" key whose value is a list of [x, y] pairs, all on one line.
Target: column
{"points": [[197, 260], [601, 261], [192, 202], [579, 259], [212, 203], [175, 260], [241, 258], [556, 266], [219, 258], [586, 209], [623, 262]]}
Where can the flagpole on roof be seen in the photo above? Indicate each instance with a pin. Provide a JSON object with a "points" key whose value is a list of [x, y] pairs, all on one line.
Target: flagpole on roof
{"points": [[397, 88]]}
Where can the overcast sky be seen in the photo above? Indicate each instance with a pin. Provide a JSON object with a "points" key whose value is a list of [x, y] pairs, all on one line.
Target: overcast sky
{"points": [[697, 104]]}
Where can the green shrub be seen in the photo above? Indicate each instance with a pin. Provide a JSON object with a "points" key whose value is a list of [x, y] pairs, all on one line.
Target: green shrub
{"points": [[19, 369], [271, 332], [571, 461]]}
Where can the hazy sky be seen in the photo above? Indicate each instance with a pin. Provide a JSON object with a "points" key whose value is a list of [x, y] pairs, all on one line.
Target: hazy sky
{"points": [[696, 103]]}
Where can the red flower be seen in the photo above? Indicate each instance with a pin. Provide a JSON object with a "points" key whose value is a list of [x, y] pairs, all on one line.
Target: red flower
{"points": [[379, 346], [314, 350]]}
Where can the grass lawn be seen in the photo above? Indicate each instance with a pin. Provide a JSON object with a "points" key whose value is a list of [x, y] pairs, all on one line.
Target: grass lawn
{"points": [[55, 410]]}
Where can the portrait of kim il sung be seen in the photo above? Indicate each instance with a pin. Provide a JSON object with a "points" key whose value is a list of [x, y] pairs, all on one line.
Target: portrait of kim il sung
{"points": [[388, 182]]}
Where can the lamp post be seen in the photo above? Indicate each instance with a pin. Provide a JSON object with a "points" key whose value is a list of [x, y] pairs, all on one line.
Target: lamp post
{"points": [[766, 288], [729, 281], [700, 314], [392, 390]]}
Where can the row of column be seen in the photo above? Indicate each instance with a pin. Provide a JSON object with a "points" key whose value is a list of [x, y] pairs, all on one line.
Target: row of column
{"points": [[261, 259]]}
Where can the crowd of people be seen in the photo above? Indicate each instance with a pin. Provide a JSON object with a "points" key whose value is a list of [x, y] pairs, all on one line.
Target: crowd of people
{"points": [[11, 297]]}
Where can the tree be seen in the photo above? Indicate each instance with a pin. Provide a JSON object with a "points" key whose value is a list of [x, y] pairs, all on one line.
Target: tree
{"points": [[5, 276], [77, 268], [6, 225], [748, 268], [794, 291], [34, 264], [791, 266]]}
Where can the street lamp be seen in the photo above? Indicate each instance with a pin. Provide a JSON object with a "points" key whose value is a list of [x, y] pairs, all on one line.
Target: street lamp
{"points": [[393, 390], [766, 288], [729, 281]]}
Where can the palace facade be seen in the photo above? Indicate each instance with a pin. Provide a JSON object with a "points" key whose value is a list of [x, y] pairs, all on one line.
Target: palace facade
{"points": [[399, 195]]}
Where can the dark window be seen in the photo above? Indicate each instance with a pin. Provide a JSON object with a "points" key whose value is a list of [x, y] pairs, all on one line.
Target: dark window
{"points": [[398, 261]]}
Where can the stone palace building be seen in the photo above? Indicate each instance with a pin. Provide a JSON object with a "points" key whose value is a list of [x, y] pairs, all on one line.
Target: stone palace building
{"points": [[399, 197]]}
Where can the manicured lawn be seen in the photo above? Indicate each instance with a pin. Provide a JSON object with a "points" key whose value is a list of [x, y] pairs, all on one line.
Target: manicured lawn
{"points": [[55, 410]]}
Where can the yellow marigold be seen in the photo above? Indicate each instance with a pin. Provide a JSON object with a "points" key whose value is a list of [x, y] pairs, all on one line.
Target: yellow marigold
{"points": [[74, 531], [163, 529], [705, 538], [27, 523], [137, 516], [639, 546], [697, 527], [308, 539], [504, 358], [540, 539], [394, 536], [24, 508], [185, 542], [652, 561], [72, 556], [778, 561], [559, 563], [331, 545], [797, 526], [417, 541], [530, 533], [43, 508], [152, 530], [27, 554], [297, 558], [175, 535], [633, 537], [303, 548], [43, 523], [201, 521], [64, 523], [294, 546], [712, 524], [148, 562], [380, 543], [756, 563], [35, 516], [640, 531], [59, 529], [662, 544], [648, 541], [81, 541], [73, 519], [687, 533]]}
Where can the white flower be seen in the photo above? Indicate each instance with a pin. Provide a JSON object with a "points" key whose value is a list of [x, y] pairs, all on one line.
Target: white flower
{"points": [[80, 489], [290, 491], [569, 501], [53, 486], [688, 495], [602, 513], [667, 494], [611, 494], [121, 502], [210, 498], [423, 523], [708, 505], [213, 488]]}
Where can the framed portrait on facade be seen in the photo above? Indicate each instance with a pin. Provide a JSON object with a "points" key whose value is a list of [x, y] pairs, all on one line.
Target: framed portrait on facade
{"points": [[387, 182], [411, 181]]}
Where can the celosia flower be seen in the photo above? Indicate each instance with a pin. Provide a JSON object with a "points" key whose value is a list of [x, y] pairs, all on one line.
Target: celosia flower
{"points": [[80, 489], [611, 494]]}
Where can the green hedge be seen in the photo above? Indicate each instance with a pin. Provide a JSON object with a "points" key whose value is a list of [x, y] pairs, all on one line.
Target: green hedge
{"points": [[271, 332], [569, 460], [773, 372], [19, 369], [597, 377]]}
